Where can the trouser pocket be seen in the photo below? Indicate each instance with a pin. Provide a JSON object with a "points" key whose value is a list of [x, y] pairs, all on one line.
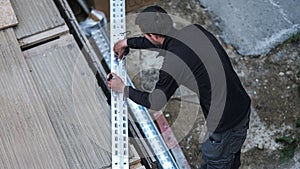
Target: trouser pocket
{"points": [[216, 151], [215, 146], [238, 138], [215, 138]]}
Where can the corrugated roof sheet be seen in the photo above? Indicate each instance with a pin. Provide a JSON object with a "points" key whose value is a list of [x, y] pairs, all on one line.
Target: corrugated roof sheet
{"points": [[27, 138], [78, 110], [35, 16]]}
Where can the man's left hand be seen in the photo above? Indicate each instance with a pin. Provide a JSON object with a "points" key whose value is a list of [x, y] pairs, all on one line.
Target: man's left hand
{"points": [[116, 83]]}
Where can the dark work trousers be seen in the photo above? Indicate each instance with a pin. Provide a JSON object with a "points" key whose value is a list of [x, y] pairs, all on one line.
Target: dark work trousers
{"points": [[223, 150]]}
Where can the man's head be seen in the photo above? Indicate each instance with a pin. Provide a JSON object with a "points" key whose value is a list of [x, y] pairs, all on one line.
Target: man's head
{"points": [[154, 20]]}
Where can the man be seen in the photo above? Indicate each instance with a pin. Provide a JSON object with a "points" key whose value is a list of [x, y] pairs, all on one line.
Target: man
{"points": [[193, 58]]}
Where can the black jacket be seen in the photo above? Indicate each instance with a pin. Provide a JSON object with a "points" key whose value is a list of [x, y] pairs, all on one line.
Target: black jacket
{"points": [[194, 58]]}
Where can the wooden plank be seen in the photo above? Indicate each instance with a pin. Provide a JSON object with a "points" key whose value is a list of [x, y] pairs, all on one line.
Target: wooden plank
{"points": [[35, 16], [7, 15], [137, 166], [43, 36], [171, 140], [134, 159], [27, 138], [76, 106], [134, 156]]}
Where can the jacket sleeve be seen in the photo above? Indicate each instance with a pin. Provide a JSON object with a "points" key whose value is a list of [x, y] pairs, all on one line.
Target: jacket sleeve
{"points": [[140, 43], [164, 89]]}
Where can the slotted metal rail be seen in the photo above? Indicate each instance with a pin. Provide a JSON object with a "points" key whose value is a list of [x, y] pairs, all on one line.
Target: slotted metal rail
{"points": [[119, 108], [119, 114]]}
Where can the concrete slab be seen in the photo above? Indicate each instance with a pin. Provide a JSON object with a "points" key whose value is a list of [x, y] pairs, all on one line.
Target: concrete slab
{"points": [[255, 27]]}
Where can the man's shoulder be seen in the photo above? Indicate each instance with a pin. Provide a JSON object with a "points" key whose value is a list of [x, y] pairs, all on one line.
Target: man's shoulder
{"points": [[192, 26], [185, 34]]}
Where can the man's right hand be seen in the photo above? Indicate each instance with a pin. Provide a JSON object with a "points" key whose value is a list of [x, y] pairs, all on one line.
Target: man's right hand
{"points": [[120, 48]]}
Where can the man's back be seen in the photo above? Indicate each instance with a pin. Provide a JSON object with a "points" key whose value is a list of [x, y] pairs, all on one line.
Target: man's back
{"points": [[188, 62]]}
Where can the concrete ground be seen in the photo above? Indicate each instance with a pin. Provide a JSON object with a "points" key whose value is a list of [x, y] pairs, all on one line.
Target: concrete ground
{"points": [[257, 26]]}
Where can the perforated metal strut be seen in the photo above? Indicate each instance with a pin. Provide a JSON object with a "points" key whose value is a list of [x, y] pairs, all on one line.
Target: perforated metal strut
{"points": [[140, 113], [119, 117]]}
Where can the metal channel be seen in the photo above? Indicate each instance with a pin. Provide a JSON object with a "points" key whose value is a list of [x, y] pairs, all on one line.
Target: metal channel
{"points": [[119, 113], [140, 113]]}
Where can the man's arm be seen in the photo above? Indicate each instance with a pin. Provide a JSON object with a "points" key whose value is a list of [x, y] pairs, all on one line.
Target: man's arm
{"points": [[139, 43], [135, 43], [164, 89]]}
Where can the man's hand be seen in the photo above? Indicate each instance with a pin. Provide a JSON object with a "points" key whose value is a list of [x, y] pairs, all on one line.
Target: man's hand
{"points": [[120, 48], [115, 83]]}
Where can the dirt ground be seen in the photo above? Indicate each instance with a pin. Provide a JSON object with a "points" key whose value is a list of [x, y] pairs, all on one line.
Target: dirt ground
{"points": [[270, 80]]}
